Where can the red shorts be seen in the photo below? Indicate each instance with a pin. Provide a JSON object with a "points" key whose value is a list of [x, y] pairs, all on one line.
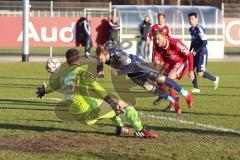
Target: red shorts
{"points": [[180, 68]]}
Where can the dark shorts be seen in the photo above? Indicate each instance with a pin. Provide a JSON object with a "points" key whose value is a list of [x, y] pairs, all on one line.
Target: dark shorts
{"points": [[143, 71], [200, 60]]}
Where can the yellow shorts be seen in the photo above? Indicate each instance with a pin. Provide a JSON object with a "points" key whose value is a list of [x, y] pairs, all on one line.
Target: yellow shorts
{"points": [[90, 110]]}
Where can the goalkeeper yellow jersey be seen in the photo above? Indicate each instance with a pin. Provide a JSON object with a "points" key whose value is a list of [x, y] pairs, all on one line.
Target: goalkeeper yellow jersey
{"points": [[77, 85]]}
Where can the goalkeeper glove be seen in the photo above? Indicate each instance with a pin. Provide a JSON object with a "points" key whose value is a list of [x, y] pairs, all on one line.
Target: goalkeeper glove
{"points": [[41, 91]]}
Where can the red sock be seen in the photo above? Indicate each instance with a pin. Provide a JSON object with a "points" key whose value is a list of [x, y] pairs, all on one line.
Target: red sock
{"points": [[173, 93]]}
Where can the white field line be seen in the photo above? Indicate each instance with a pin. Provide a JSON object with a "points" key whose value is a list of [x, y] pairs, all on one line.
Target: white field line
{"points": [[204, 125]]}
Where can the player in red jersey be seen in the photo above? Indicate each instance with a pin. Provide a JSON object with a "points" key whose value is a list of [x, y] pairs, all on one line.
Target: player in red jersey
{"points": [[175, 57], [156, 59]]}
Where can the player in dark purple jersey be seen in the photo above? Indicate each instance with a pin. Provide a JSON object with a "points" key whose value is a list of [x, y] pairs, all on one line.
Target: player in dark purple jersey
{"points": [[139, 72], [199, 48]]}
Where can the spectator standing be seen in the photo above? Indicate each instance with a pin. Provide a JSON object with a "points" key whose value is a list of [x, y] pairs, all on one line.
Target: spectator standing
{"points": [[87, 35], [144, 28], [114, 37]]}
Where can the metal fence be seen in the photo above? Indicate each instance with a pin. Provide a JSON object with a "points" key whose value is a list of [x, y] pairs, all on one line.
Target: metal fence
{"points": [[58, 9], [231, 10]]}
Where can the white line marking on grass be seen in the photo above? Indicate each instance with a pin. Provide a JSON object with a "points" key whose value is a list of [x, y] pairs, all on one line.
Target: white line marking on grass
{"points": [[209, 126]]}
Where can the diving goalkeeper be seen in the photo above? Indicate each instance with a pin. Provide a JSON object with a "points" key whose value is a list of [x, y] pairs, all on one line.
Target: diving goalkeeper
{"points": [[88, 102]]}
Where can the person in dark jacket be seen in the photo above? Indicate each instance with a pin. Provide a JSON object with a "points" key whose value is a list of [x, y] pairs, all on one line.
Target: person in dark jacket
{"points": [[114, 37], [144, 29]]}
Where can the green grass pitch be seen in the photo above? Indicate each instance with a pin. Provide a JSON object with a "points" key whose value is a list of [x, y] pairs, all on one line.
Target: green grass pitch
{"points": [[30, 129]]}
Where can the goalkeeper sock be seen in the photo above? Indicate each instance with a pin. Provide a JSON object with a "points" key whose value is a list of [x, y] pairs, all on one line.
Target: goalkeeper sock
{"points": [[132, 117], [117, 121]]}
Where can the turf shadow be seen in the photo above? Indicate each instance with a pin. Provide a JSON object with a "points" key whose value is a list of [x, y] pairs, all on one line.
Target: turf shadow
{"points": [[25, 86], [44, 120], [26, 102], [29, 109], [30, 78], [47, 129]]}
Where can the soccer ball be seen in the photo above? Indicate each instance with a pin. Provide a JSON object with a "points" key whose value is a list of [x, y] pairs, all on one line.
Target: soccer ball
{"points": [[52, 65]]}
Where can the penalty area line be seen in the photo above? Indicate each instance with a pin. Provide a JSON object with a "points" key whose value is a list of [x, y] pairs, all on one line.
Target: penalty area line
{"points": [[204, 125]]}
